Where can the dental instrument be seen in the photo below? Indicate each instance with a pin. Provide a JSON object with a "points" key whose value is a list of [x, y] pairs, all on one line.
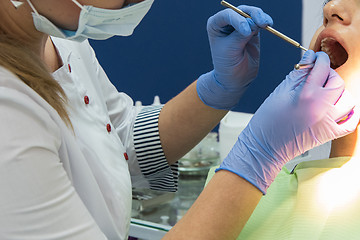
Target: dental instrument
{"points": [[307, 66], [303, 66], [268, 28]]}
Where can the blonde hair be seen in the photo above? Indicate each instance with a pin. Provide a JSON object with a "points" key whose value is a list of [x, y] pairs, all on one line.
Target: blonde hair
{"points": [[25, 64]]}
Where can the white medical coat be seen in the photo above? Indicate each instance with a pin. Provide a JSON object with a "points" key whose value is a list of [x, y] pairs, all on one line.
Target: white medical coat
{"points": [[83, 177]]}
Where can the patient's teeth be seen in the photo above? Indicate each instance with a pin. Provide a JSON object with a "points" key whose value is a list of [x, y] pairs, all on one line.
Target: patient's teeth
{"points": [[337, 53], [327, 46]]}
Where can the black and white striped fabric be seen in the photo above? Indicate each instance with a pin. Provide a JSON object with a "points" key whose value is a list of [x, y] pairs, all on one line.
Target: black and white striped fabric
{"points": [[149, 152]]}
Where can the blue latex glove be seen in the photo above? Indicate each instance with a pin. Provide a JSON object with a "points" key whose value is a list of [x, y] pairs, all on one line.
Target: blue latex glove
{"points": [[299, 115], [235, 49]]}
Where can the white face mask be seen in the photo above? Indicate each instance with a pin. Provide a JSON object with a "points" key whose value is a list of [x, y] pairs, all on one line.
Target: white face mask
{"points": [[96, 23]]}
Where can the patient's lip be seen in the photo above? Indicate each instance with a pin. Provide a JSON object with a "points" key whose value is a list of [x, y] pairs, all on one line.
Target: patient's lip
{"points": [[328, 32]]}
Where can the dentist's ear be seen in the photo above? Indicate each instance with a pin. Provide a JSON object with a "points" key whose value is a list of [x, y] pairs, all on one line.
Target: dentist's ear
{"points": [[16, 3]]}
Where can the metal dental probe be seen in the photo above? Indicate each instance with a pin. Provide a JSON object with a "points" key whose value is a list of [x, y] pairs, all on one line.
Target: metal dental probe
{"points": [[268, 28], [307, 66], [303, 66]]}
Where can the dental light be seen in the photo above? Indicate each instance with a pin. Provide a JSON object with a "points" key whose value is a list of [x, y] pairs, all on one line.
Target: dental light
{"points": [[339, 188]]}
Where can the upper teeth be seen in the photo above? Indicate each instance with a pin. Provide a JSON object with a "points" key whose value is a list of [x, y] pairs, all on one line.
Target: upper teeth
{"points": [[327, 46]]}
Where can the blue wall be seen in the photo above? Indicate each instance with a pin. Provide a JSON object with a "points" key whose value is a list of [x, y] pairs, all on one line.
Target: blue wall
{"points": [[169, 50]]}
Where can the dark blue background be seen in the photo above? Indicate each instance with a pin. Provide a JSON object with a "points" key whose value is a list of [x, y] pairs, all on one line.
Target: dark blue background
{"points": [[169, 50]]}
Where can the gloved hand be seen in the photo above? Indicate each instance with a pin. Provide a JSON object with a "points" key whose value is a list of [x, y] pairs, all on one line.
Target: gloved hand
{"points": [[299, 115], [235, 49]]}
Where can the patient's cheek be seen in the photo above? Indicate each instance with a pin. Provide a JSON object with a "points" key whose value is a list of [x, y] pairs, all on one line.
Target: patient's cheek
{"points": [[314, 38], [313, 41]]}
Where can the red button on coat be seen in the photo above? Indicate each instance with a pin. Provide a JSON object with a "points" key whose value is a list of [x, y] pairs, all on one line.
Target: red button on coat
{"points": [[86, 100], [108, 127], [69, 67], [126, 156]]}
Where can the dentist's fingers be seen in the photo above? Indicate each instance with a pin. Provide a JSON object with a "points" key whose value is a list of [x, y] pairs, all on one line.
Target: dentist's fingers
{"points": [[336, 85], [334, 80], [309, 57], [350, 124], [343, 108], [345, 114], [260, 18], [321, 70], [224, 22]]}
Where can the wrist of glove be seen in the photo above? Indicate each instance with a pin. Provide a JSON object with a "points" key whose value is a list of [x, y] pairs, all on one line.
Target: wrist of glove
{"points": [[252, 161], [216, 95], [306, 110]]}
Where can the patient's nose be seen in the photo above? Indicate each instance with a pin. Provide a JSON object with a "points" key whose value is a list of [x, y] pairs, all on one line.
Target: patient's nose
{"points": [[339, 11]]}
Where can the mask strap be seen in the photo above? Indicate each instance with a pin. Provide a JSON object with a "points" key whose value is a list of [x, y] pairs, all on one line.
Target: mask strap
{"points": [[76, 2], [79, 5], [32, 7]]}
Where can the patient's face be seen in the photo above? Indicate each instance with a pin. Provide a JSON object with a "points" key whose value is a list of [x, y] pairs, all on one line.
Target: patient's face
{"points": [[339, 37]]}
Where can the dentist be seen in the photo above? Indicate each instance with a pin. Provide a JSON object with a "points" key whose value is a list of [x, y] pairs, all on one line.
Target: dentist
{"points": [[73, 146]]}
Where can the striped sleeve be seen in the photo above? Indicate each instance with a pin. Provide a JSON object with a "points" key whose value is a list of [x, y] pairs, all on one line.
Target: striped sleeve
{"points": [[149, 152]]}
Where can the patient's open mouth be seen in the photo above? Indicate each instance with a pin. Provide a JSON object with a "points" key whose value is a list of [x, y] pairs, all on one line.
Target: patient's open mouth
{"points": [[337, 53]]}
